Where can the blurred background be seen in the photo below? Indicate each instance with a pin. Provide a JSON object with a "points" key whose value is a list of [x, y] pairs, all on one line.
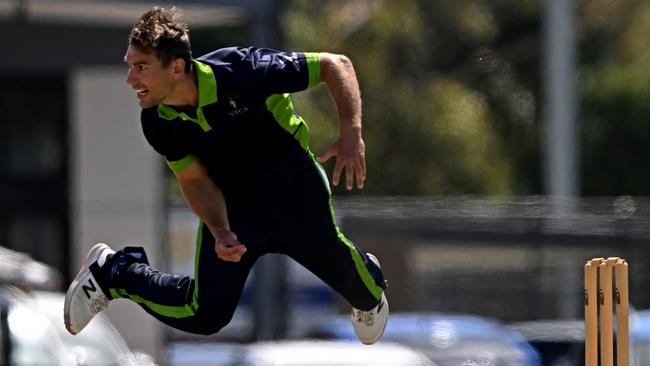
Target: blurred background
{"points": [[507, 143]]}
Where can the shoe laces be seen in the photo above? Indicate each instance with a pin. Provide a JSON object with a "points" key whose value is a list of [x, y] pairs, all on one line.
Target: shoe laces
{"points": [[98, 303], [365, 317]]}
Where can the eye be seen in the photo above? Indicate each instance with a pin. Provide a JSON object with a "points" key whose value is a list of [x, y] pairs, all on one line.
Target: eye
{"points": [[142, 67]]}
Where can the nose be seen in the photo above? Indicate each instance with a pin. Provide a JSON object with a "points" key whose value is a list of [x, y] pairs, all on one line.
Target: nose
{"points": [[130, 79]]}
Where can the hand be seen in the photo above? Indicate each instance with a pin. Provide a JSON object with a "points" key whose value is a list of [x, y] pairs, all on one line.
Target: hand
{"points": [[228, 248], [350, 154]]}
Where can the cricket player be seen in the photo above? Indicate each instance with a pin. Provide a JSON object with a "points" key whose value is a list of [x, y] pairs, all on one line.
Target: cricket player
{"points": [[226, 126]]}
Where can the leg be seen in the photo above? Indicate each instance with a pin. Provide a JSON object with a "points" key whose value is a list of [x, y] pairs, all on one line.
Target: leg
{"points": [[203, 304], [304, 228]]}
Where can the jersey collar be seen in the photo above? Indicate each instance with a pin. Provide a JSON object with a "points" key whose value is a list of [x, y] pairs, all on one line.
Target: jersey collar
{"points": [[207, 83], [207, 95]]}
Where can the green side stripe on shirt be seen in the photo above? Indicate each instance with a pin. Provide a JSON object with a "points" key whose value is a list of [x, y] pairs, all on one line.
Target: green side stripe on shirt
{"points": [[179, 165], [282, 109], [313, 66]]}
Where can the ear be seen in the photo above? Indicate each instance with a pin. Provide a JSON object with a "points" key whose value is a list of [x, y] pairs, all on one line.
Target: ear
{"points": [[178, 67]]}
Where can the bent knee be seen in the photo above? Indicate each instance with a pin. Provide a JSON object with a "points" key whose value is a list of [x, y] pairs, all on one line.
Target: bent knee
{"points": [[208, 325]]}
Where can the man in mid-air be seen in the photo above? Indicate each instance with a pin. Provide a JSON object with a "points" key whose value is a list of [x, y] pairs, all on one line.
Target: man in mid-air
{"points": [[227, 128]]}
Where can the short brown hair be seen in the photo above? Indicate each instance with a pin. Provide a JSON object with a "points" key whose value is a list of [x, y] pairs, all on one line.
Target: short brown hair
{"points": [[160, 30]]}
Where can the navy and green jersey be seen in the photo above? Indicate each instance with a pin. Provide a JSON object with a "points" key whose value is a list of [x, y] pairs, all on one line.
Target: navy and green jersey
{"points": [[245, 130], [255, 147]]}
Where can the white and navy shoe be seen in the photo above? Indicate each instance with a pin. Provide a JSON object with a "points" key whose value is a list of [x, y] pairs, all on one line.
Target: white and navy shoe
{"points": [[85, 298], [369, 325]]}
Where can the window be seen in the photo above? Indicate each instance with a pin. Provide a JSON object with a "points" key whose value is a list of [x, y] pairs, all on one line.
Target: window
{"points": [[33, 168]]}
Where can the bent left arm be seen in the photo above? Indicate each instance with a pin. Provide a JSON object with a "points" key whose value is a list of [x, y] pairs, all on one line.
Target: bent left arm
{"points": [[337, 72]]}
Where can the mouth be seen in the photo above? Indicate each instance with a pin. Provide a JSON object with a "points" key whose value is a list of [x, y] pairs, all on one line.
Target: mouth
{"points": [[142, 92]]}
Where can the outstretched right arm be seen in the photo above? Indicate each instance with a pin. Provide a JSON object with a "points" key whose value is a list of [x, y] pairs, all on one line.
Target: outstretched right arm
{"points": [[206, 200], [202, 195]]}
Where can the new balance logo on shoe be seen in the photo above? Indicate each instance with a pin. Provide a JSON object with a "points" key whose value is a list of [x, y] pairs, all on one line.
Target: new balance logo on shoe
{"points": [[380, 306], [89, 288]]}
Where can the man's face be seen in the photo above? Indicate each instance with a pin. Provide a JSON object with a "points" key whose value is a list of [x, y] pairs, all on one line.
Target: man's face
{"points": [[152, 82]]}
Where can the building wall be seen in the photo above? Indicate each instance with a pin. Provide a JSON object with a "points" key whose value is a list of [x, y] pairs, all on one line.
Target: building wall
{"points": [[115, 191], [116, 185], [34, 49]]}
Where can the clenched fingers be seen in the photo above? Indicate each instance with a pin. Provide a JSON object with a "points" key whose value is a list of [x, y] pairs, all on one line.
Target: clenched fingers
{"points": [[230, 253]]}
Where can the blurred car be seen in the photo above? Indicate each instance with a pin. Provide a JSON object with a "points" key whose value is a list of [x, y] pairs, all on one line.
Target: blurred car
{"points": [[295, 353], [562, 342], [559, 342], [640, 337], [448, 340], [31, 323]]}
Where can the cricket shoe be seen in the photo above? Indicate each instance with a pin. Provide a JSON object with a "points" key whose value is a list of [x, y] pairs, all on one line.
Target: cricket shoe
{"points": [[85, 297], [369, 325]]}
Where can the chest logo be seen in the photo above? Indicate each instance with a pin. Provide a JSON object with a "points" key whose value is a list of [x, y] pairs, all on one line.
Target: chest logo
{"points": [[235, 108]]}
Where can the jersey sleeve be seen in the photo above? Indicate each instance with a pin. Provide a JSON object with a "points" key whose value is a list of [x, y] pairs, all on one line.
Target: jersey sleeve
{"points": [[268, 70], [161, 139]]}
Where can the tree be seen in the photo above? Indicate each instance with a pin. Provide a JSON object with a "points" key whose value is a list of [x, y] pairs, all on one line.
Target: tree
{"points": [[452, 91], [437, 90]]}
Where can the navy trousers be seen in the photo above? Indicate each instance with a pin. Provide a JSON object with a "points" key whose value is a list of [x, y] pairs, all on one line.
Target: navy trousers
{"points": [[297, 221]]}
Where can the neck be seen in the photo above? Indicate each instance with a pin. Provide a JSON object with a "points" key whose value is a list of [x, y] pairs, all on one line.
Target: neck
{"points": [[185, 94]]}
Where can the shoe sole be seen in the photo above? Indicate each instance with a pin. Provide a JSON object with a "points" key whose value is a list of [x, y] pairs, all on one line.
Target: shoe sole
{"points": [[91, 257]]}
